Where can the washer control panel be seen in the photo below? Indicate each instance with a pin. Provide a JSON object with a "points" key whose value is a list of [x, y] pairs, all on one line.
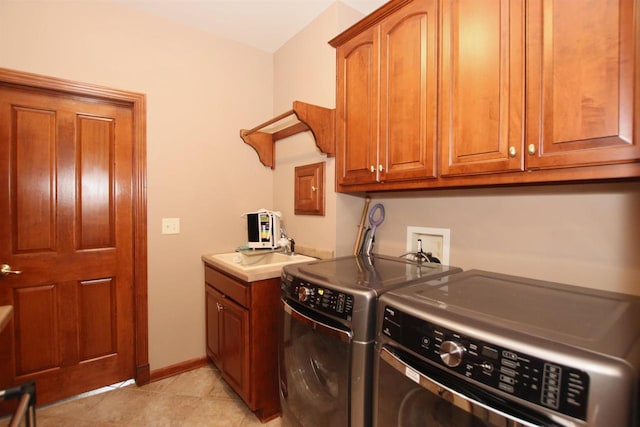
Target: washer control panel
{"points": [[561, 388], [317, 297]]}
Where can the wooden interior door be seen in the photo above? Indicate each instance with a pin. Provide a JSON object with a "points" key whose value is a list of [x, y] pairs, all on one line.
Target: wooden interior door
{"points": [[66, 202]]}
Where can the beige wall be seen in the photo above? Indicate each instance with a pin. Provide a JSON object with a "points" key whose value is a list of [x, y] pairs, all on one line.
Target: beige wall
{"points": [[304, 70], [582, 234], [200, 91]]}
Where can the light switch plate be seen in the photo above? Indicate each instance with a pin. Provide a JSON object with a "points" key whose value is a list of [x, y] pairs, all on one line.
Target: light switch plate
{"points": [[170, 225]]}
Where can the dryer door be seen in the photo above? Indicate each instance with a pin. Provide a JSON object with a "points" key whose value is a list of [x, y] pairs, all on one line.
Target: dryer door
{"points": [[410, 392], [314, 369]]}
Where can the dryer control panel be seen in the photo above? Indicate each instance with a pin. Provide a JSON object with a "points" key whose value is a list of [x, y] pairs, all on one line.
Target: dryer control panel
{"points": [[539, 381], [318, 297]]}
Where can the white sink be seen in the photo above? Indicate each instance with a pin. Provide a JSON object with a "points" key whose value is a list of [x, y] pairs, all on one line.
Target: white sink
{"points": [[254, 266]]}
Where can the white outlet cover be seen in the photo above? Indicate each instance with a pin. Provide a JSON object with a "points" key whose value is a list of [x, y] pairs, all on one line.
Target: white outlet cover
{"points": [[170, 225], [438, 238]]}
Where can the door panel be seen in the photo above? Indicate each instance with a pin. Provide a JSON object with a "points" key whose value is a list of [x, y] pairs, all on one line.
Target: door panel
{"points": [[34, 159], [37, 346], [357, 109], [408, 92], [482, 87], [95, 190], [97, 320], [67, 167], [235, 346], [582, 91], [213, 305]]}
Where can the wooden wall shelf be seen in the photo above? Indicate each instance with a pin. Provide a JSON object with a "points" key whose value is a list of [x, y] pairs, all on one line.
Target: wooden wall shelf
{"points": [[319, 120]]}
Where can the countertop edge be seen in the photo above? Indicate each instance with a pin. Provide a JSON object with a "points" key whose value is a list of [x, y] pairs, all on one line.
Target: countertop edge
{"points": [[253, 275], [220, 266]]}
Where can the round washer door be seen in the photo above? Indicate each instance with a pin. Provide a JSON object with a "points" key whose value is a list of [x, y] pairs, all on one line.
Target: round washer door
{"points": [[314, 372]]}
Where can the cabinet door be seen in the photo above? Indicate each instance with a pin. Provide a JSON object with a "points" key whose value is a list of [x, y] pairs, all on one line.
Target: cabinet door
{"points": [[235, 347], [482, 86], [408, 92], [356, 109], [213, 307], [583, 92]]}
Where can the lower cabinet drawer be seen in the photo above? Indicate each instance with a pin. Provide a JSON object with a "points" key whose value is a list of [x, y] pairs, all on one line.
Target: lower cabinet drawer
{"points": [[237, 291]]}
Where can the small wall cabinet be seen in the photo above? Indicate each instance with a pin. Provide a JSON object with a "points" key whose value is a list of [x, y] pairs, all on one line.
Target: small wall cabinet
{"points": [[309, 189], [241, 328]]}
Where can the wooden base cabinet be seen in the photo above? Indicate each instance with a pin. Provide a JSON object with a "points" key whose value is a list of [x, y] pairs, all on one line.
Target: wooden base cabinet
{"points": [[242, 337], [520, 92]]}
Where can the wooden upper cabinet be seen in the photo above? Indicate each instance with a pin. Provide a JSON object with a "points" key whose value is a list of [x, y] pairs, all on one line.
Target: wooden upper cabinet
{"points": [[386, 98], [582, 86], [356, 109], [458, 93], [408, 93], [481, 87]]}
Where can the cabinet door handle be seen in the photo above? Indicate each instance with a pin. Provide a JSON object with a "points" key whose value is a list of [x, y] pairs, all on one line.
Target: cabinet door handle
{"points": [[380, 168], [372, 168], [219, 306], [512, 151], [531, 149]]}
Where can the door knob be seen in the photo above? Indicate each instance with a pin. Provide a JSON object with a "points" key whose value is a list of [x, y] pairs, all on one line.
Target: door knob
{"points": [[5, 270]]}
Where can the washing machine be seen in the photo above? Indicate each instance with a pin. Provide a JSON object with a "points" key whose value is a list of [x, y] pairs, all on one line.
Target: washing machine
{"points": [[327, 332]]}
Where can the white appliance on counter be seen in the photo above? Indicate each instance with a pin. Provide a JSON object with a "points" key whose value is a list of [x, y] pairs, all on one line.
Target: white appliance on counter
{"points": [[263, 229]]}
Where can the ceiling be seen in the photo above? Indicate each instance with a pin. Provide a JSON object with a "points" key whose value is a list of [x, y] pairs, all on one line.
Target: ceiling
{"points": [[263, 24]]}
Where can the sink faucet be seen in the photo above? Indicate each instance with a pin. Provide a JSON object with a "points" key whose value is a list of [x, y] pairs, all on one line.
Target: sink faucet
{"points": [[288, 247]]}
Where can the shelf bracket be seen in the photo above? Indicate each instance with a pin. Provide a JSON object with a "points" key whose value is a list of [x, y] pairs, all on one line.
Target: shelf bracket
{"points": [[319, 120]]}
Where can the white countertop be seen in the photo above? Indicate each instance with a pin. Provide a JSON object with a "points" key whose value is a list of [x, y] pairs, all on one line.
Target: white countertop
{"points": [[253, 268]]}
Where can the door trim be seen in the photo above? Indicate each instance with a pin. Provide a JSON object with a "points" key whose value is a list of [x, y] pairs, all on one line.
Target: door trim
{"points": [[137, 102]]}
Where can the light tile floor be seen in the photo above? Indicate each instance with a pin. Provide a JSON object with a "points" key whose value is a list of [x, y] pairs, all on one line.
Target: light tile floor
{"points": [[196, 398]]}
